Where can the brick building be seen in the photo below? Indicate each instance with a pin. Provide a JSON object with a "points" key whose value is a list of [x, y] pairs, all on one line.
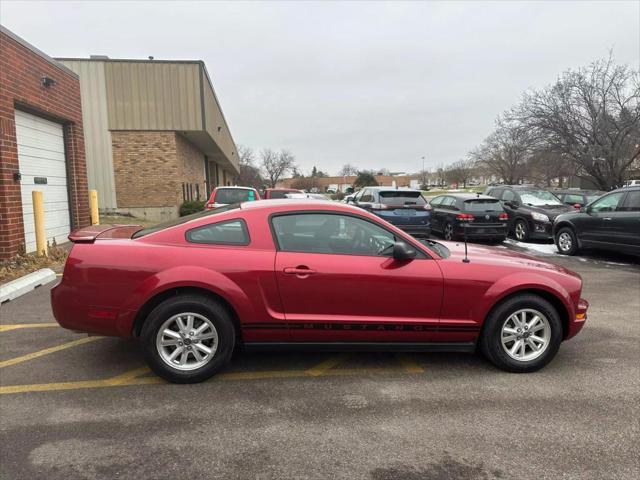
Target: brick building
{"points": [[41, 146], [155, 134]]}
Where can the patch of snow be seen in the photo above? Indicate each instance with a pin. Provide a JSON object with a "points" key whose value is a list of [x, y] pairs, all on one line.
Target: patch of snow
{"points": [[546, 248]]}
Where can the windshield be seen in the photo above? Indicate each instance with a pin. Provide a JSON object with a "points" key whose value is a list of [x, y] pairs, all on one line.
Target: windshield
{"points": [[280, 194], [482, 205], [234, 195], [400, 197], [538, 198], [185, 219]]}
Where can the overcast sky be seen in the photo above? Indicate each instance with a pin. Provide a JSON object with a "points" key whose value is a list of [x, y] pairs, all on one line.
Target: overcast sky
{"points": [[371, 84]]}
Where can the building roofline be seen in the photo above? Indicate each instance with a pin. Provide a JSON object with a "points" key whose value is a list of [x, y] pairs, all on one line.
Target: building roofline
{"points": [[37, 51]]}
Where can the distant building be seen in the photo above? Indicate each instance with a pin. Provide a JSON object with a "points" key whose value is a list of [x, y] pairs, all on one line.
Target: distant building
{"points": [[155, 134]]}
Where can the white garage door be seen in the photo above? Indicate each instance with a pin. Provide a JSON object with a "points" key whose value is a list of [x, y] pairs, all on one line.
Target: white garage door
{"points": [[41, 156]]}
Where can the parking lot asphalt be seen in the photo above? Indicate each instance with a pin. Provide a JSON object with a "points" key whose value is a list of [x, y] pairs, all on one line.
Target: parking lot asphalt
{"points": [[73, 406]]}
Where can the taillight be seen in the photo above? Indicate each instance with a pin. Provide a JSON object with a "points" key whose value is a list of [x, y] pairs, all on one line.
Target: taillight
{"points": [[504, 216], [465, 216], [427, 207], [379, 206]]}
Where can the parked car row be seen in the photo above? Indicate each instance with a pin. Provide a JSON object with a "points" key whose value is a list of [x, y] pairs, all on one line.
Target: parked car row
{"points": [[573, 219]]}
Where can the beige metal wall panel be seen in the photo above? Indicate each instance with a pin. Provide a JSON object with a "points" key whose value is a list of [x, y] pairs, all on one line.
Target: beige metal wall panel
{"points": [[216, 125], [97, 138], [153, 95]]}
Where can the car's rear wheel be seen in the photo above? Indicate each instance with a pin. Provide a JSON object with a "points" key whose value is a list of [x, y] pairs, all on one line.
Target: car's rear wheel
{"points": [[522, 334], [566, 241], [448, 232], [188, 338], [521, 230]]}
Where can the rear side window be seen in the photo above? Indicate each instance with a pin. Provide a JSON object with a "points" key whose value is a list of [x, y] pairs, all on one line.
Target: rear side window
{"points": [[632, 202], [448, 202], [482, 205], [232, 232], [436, 201], [508, 195], [399, 197], [234, 195], [185, 219]]}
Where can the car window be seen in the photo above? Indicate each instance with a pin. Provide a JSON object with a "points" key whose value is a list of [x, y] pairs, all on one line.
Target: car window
{"points": [[608, 203], [632, 202], [278, 194], [367, 196], [508, 195], [539, 198], [331, 233], [231, 232], [448, 202], [234, 195], [436, 201], [572, 199], [401, 198], [482, 205], [185, 219]]}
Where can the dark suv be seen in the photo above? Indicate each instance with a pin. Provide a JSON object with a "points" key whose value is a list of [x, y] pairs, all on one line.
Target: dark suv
{"points": [[531, 210], [404, 208], [482, 217], [612, 222]]}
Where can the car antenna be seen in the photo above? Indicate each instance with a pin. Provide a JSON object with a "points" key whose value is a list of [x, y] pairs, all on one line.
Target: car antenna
{"points": [[466, 258]]}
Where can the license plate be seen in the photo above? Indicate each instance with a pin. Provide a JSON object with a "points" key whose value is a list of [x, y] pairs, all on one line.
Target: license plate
{"points": [[405, 212]]}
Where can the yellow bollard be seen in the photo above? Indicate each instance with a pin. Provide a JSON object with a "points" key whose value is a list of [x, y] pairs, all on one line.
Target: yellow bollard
{"points": [[93, 205], [38, 220]]}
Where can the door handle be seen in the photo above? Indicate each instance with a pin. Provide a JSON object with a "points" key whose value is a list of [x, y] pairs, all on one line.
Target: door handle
{"points": [[299, 270], [606, 218]]}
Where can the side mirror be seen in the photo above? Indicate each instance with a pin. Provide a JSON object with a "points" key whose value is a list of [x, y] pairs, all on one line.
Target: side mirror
{"points": [[584, 210], [403, 251]]}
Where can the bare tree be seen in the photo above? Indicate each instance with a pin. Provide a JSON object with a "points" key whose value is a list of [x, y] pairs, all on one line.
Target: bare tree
{"points": [[505, 152], [348, 170], [249, 173], [591, 115], [276, 164], [545, 166], [461, 172]]}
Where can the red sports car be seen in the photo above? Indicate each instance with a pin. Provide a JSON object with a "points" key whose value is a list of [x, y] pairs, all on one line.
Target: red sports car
{"points": [[309, 274]]}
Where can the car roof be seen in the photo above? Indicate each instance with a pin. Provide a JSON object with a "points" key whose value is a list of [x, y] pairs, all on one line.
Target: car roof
{"points": [[297, 203], [235, 187], [631, 188], [577, 190], [467, 196], [392, 189], [282, 189]]}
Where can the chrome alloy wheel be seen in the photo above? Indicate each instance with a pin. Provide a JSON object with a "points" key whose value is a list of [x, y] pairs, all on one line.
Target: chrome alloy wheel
{"points": [[448, 232], [565, 242], [520, 231], [525, 335], [187, 341]]}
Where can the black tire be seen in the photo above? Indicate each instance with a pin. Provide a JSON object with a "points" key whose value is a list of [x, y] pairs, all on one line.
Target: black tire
{"points": [[210, 309], [490, 340], [566, 241], [448, 233], [524, 236]]}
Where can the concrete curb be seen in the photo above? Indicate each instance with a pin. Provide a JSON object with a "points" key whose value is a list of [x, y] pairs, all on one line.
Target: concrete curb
{"points": [[22, 285]]}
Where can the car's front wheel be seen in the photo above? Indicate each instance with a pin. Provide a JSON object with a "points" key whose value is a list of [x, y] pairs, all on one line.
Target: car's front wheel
{"points": [[188, 338], [566, 241], [522, 334], [521, 230]]}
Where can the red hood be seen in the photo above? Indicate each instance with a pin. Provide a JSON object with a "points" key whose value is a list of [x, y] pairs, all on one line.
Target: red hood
{"points": [[503, 257]]}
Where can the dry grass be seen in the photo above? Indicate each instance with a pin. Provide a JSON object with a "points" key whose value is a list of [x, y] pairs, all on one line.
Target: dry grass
{"points": [[27, 263]]}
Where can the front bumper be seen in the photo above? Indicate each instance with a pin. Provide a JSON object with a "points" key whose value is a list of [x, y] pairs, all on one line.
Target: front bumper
{"points": [[541, 230], [576, 324]]}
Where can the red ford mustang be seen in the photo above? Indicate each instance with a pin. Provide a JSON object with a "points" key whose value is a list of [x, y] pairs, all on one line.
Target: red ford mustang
{"points": [[319, 275]]}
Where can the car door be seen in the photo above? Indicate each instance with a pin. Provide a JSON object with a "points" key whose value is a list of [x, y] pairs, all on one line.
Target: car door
{"points": [[436, 214], [601, 225], [628, 216], [338, 281]]}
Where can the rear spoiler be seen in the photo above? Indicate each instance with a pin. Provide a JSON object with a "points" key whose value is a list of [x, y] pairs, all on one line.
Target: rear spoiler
{"points": [[90, 233]]}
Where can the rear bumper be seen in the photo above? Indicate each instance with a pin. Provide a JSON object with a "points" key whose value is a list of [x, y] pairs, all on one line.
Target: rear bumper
{"points": [[419, 224], [72, 315], [415, 229], [482, 231]]}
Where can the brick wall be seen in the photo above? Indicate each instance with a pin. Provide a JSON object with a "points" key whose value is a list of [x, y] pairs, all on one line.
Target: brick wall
{"points": [[146, 170], [191, 161], [21, 71]]}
